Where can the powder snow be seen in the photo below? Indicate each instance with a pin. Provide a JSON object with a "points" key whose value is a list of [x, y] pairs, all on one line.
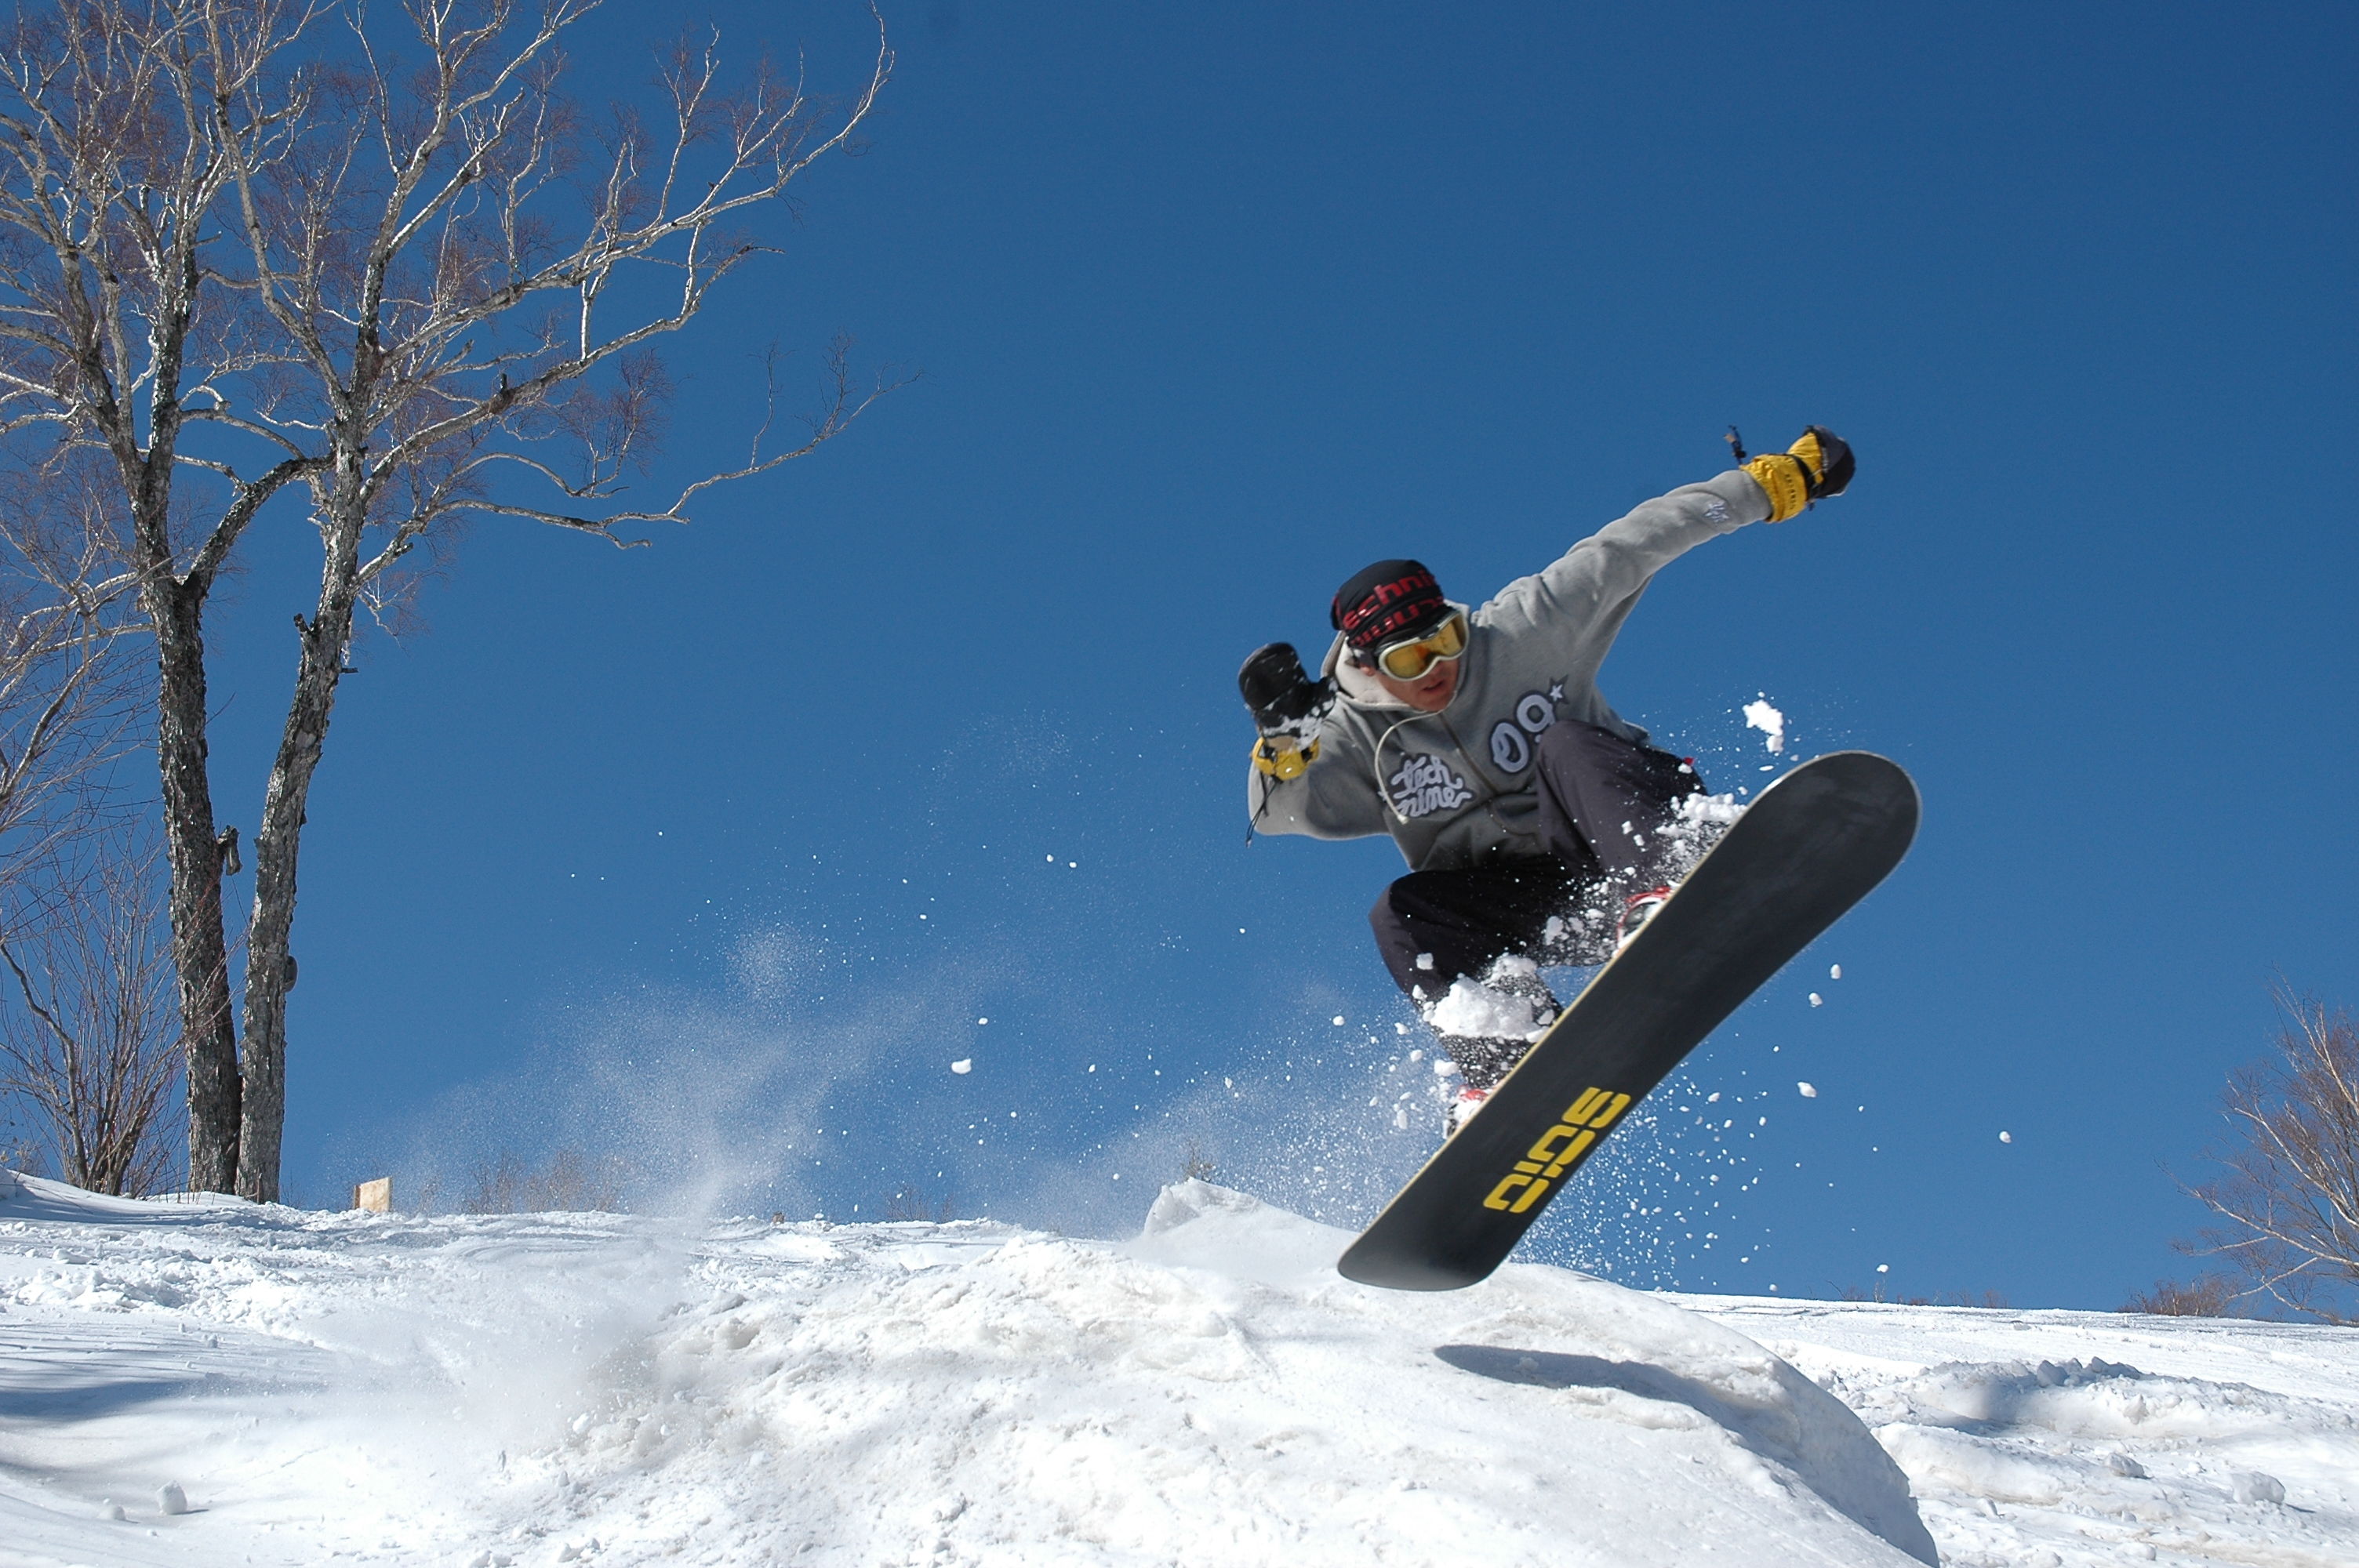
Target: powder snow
{"points": [[548, 1388]]}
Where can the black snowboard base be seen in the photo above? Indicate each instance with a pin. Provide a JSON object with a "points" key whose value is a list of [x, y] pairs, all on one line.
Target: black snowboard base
{"points": [[1809, 847]]}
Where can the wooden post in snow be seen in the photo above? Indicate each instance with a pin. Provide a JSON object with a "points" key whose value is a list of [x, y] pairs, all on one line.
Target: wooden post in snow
{"points": [[376, 1196]]}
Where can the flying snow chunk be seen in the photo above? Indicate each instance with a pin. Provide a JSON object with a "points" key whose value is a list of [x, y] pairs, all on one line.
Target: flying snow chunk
{"points": [[2006, 1138], [1339, 1021], [1835, 971], [1474, 1012], [1809, 1091], [982, 1021], [1769, 721], [964, 1064], [1817, 1000]]}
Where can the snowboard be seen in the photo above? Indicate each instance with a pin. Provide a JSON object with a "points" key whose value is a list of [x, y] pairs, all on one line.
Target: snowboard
{"points": [[1809, 847]]}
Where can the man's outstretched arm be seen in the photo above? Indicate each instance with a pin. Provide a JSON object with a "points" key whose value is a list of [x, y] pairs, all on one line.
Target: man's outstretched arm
{"points": [[1591, 588]]}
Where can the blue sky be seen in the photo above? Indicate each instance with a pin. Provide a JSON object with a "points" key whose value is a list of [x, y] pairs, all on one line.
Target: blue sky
{"points": [[1217, 303]]}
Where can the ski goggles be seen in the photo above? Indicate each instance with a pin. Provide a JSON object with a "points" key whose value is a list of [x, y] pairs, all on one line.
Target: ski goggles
{"points": [[1410, 657]]}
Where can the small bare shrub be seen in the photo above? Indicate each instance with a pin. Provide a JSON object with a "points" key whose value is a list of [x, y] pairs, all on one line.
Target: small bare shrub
{"points": [[1982, 1300], [2207, 1295], [572, 1183], [88, 1024], [1196, 1166], [914, 1203]]}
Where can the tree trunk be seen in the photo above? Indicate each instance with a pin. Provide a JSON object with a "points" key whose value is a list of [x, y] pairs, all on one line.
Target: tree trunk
{"points": [[199, 952], [277, 840]]}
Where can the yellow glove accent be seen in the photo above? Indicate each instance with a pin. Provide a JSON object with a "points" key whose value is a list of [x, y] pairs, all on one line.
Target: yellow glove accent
{"points": [[1783, 478], [1807, 450], [1789, 476], [1287, 764]]}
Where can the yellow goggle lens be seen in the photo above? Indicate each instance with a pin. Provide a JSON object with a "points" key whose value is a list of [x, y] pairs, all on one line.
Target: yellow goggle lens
{"points": [[1409, 660]]}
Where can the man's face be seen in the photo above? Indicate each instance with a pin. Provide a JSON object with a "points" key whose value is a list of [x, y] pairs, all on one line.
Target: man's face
{"points": [[1430, 693]]}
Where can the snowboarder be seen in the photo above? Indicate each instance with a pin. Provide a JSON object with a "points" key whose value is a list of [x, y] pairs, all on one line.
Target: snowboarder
{"points": [[1533, 817]]}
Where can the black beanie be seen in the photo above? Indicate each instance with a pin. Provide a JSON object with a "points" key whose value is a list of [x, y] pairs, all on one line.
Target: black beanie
{"points": [[1388, 600]]}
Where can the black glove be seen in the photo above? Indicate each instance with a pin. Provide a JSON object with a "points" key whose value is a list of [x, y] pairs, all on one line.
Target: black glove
{"points": [[1830, 465], [1815, 467], [1283, 698]]}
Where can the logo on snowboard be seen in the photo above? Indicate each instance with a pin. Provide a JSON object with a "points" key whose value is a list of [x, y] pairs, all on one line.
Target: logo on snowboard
{"points": [[1559, 1150], [1424, 784]]}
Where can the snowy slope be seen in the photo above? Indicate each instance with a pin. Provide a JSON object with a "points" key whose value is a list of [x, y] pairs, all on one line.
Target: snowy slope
{"points": [[539, 1390], [2077, 1437]]}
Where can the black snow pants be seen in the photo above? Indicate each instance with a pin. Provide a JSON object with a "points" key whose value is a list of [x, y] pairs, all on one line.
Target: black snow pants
{"points": [[1599, 795]]}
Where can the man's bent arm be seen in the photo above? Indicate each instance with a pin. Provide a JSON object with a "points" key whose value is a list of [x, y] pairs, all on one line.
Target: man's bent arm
{"points": [[1332, 798]]}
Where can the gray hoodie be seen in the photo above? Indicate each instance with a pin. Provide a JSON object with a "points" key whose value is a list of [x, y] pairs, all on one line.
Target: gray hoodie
{"points": [[1455, 788]]}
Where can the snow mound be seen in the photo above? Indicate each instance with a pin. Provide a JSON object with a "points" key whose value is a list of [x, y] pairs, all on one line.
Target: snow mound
{"points": [[2093, 1436], [1214, 1390], [1983, 1466], [548, 1388], [1617, 1353], [2099, 1399]]}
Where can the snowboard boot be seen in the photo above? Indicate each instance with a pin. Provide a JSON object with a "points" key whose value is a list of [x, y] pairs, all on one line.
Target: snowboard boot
{"points": [[1481, 1063], [1636, 910], [1582, 937], [1518, 979], [1462, 1109], [1487, 1026]]}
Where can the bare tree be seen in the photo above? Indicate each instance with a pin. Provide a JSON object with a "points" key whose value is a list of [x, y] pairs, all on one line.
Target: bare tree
{"points": [[376, 261], [2290, 1181], [88, 1031]]}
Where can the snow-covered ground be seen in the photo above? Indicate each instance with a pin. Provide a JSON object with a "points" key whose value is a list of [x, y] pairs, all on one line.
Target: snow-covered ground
{"points": [[537, 1389], [2073, 1437]]}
